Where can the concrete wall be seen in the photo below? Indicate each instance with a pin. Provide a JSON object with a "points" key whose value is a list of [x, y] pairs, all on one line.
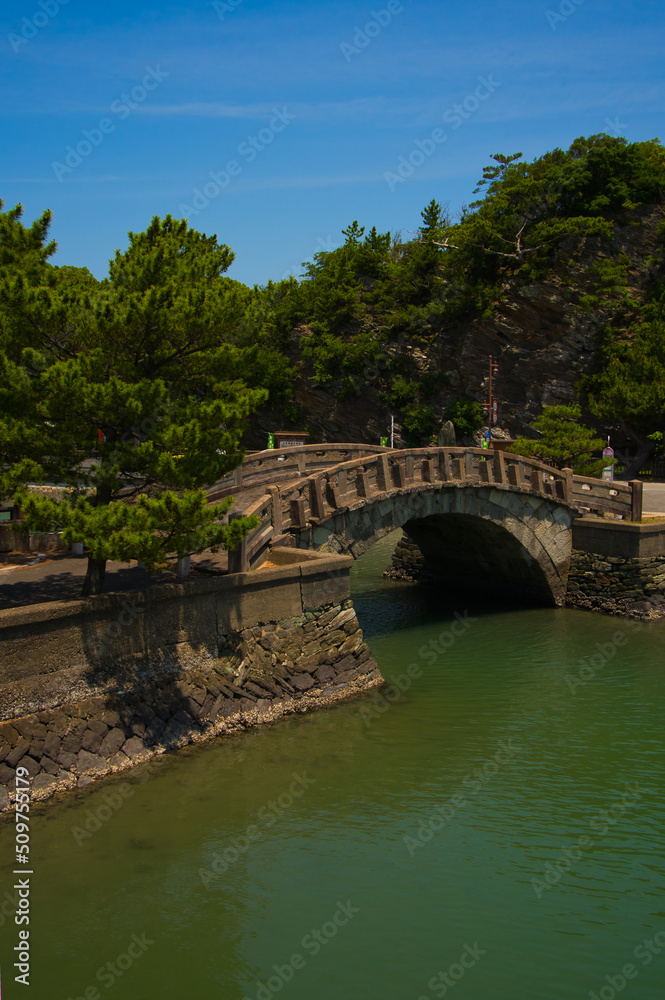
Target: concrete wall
{"points": [[21, 541], [89, 687], [619, 538]]}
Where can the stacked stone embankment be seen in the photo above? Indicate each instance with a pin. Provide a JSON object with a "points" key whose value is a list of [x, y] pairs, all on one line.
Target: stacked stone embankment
{"points": [[82, 699], [630, 584], [408, 563], [618, 568], [616, 585]]}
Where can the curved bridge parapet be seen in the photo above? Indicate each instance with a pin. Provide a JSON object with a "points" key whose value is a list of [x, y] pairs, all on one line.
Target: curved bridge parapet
{"points": [[265, 468], [323, 510]]}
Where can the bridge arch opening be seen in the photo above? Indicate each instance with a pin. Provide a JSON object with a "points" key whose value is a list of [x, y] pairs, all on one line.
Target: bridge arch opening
{"points": [[473, 538], [472, 554]]}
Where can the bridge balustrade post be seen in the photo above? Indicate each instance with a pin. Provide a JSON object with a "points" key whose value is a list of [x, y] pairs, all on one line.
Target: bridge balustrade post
{"points": [[237, 476], [636, 497], [520, 471], [300, 460], [276, 495], [446, 467], [512, 474], [568, 485], [382, 473], [499, 466], [316, 497], [471, 472], [298, 513], [409, 467], [428, 471], [238, 557], [333, 495], [341, 483]]}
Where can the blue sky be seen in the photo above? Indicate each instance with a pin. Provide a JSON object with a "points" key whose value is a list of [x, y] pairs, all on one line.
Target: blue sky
{"points": [[292, 118]]}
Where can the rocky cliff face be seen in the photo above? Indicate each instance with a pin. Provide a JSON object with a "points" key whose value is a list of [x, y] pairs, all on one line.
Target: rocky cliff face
{"points": [[539, 334]]}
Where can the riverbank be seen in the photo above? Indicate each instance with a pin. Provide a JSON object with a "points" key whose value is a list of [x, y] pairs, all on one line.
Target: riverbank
{"points": [[92, 687]]}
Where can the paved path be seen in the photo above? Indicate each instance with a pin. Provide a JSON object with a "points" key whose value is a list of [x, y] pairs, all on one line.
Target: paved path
{"points": [[60, 577], [654, 499]]}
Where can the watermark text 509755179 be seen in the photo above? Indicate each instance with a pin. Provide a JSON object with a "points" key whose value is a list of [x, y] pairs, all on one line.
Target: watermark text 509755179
{"points": [[23, 871]]}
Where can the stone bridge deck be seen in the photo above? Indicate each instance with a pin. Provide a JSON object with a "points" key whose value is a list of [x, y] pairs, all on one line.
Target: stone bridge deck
{"points": [[306, 488]]}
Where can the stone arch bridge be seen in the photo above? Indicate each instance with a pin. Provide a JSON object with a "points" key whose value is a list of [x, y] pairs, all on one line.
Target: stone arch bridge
{"points": [[483, 519]]}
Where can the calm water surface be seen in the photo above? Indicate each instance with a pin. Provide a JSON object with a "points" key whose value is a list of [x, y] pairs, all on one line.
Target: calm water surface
{"points": [[491, 834]]}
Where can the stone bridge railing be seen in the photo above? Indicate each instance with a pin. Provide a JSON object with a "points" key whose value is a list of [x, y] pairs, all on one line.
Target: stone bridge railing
{"points": [[349, 483], [262, 468], [598, 496]]}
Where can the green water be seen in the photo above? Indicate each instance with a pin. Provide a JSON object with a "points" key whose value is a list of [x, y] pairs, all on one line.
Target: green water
{"points": [[367, 783]]}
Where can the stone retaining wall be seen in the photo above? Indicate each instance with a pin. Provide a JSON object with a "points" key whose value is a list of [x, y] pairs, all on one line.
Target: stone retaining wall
{"points": [[185, 663], [14, 540], [613, 584], [408, 562], [616, 585]]}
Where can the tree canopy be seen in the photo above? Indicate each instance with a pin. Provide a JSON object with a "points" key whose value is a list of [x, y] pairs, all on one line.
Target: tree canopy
{"points": [[563, 442], [370, 306], [127, 392]]}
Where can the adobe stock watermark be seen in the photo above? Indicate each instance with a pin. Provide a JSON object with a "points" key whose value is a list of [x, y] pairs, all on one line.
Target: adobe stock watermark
{"points": [[30, 27], [222, 9], [383, 699], [312, 943], [114, 800], [455, 116], [615, 127], [111, 972], [645, 952], [476, 781], [326, 245], [138, 435], [128, 617], [565, 10], [443, 981], [600, 823], [248, 149], [378, 21], [121, 109], [266, 816], [589, 666]]}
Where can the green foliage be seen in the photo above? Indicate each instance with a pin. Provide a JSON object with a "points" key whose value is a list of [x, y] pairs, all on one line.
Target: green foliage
{"points": [[143, 371], [330, 356], [564, 442], [365, 305], [630, 388], [149, 529], [418, 422], [466, 414], [610, 285]]}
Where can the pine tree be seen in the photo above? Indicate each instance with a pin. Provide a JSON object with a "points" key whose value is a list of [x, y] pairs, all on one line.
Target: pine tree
{"points": [[137, 371], [630, 389], [564, 442]]}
